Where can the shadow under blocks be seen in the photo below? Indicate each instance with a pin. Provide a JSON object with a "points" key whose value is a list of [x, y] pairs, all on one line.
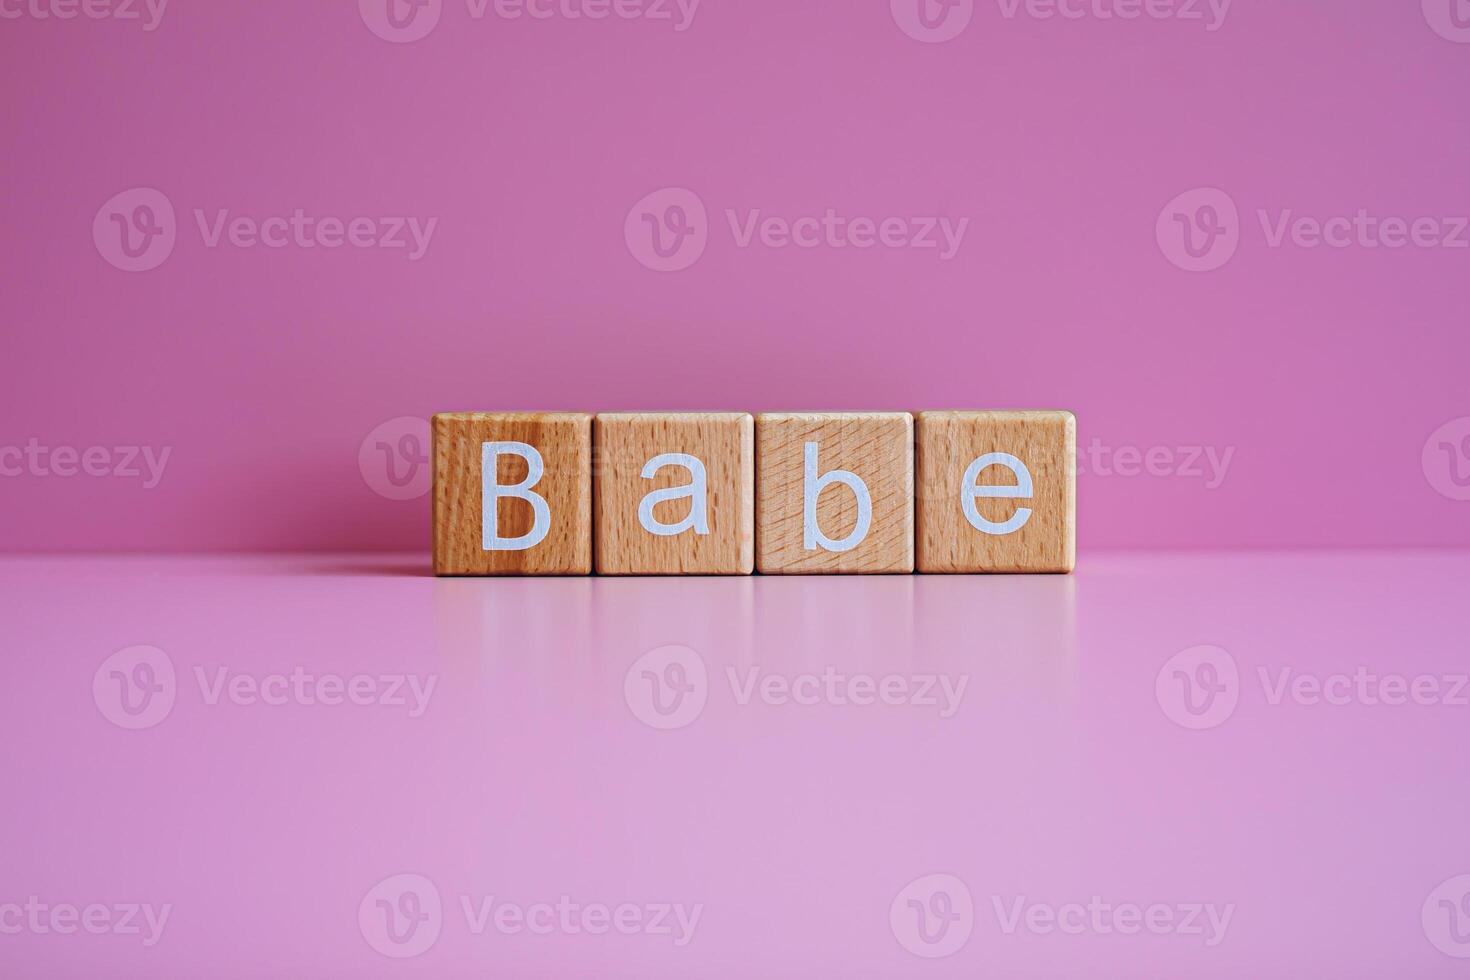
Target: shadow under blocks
{"points": [[730, 493]]}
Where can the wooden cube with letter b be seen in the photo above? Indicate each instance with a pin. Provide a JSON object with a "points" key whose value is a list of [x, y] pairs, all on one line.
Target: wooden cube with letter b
{"points": [[997, 491], [512, 493], [675, 493], [834, 492]]}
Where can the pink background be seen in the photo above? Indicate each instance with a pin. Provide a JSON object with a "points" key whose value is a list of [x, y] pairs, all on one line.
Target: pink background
{"points": [[1061, 140]]}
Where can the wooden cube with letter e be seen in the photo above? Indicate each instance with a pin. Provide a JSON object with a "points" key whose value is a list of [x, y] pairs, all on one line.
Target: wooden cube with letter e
{"points": [[997, 491]]}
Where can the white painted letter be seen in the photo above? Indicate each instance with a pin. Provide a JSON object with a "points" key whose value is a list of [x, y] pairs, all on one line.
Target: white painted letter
{"points": [[812, 487], [1021, 491], [697, 492], [491, 492]]}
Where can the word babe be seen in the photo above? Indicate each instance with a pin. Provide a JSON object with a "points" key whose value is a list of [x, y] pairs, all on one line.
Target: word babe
{"points": [[725, 493]]}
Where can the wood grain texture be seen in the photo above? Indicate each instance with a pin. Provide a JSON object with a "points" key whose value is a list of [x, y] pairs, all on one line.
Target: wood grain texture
{"points": [[947, 442], [564, 440], [624, 442], [878, 447]]}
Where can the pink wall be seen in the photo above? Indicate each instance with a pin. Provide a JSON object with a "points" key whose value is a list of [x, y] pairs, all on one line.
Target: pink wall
{"points": [[1323, 370]]}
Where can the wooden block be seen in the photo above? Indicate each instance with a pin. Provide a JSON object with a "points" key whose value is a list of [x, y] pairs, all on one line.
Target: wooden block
{"points": [[834, 492], [1004, 526], [707, 525], [529, 515]]}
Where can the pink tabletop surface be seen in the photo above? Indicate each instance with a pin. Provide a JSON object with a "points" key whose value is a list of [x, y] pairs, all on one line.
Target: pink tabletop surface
{"points": [[336, 766]]}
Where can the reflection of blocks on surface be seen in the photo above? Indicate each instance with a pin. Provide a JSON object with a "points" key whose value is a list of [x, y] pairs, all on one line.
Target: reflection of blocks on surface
{"points": [[512, 493], [996, 491], [834, 492], [675, 493]]}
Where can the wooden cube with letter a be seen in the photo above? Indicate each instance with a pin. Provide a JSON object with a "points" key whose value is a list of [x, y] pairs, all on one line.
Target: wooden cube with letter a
{"points": [[512, 493], [997, 491], [675, 493], [834, 492]]}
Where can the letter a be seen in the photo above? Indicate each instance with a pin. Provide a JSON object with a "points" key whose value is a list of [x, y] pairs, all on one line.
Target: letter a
{"points": [[697, 492], [491, 492]]}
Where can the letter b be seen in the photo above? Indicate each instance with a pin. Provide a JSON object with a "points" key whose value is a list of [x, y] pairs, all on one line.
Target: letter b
{"points": [[492, 491], [812, 487]]}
